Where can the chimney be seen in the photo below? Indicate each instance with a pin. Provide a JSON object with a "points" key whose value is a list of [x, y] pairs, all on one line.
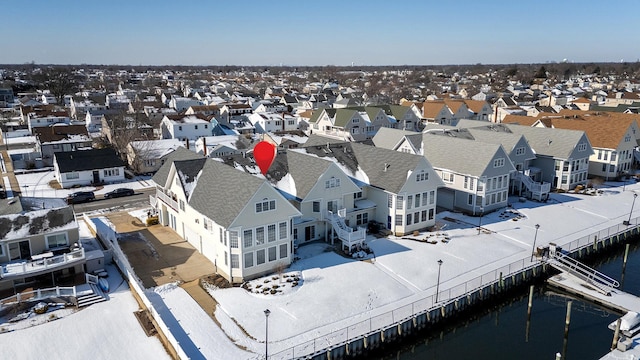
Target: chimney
{"points": [[204, 145]]}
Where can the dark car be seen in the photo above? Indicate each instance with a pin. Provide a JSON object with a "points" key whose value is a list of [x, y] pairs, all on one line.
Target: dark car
{"points": [[80, 197], [119, 193]]}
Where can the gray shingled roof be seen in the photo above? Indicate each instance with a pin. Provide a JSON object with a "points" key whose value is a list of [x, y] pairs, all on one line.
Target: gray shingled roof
{"points": [[178, 154], [507, 140], [393, 176], [188, 171], [557, 143], [305, 170], [459, 155], [319, 140], [387, 138], [222, 192]]}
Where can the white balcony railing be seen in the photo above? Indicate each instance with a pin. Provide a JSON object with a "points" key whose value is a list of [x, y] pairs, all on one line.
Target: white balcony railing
{"points": [[167, 199], [17, 269]]}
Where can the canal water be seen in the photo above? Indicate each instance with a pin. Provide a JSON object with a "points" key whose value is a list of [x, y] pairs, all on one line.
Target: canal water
{"points": [[501, 333]]}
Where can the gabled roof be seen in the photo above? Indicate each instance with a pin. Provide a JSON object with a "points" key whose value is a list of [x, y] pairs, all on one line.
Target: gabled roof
{"points": [[319, 140], [188, 171], [84, 160], [519, 120], [507, 140], [178, 154], [221, 192], [305, 170], [343, 116], [557, 143], [459, 155], [388, 138], [430, 109], [475, 105]]}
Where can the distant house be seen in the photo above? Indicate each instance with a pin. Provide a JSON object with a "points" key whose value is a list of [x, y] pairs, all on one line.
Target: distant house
{"points": [[146, 156], [39, 239], [185, 127], [265, 122], [60, 137], [47, 118], [96, 166]]}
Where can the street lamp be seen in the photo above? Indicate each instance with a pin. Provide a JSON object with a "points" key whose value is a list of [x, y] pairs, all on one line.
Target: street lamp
{"points": [[266, 334], [480, 221], [628, 222], [534, 241], [438, 283]]}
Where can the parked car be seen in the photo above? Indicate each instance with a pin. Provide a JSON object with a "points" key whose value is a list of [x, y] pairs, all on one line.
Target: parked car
{"points": [[80, 197], [119, 193]]}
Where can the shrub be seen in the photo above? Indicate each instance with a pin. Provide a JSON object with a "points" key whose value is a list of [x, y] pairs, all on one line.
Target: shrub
{"points": [[152, 220]]}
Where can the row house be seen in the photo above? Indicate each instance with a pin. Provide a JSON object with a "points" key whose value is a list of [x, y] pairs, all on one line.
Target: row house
{"points": [[476, 175], [562, 156], [239, 222]]}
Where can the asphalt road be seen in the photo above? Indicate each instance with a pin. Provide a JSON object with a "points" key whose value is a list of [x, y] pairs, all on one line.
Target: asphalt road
{"points": [[138, 200]]}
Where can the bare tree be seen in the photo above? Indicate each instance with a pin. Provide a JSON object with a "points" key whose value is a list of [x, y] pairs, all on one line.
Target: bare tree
{"points": [[60, 81]]}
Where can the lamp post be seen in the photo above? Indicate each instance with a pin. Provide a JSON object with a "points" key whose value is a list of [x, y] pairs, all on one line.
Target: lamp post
{"points": [[438, 282], [628, 222], [480, 221], [266, 334], [534, 241]]}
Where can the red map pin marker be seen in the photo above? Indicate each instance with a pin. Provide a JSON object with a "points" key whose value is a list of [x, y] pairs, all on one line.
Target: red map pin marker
{"points": [[264, 153]]}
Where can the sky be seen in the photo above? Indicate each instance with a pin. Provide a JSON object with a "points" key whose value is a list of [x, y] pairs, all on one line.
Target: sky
{"points": [[403, 277], [330, 32]]}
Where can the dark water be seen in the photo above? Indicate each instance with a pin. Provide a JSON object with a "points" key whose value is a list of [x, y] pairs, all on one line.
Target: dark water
{"points": [[501, 333]]}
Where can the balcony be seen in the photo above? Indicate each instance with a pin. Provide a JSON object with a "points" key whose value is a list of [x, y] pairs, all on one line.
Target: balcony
{"points": [[40, 264], [167, 199]]}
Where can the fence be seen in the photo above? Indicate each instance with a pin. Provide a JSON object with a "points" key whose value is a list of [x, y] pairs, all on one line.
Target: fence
{"points": [[445, 297], [109, 238], [39, 294]]}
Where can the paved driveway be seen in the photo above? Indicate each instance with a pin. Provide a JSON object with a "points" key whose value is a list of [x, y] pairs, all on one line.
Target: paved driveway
{"points": [[157, 254]]}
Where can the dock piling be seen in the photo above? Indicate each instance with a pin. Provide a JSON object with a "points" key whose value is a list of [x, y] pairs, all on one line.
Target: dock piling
{"points": [[616, 334]]}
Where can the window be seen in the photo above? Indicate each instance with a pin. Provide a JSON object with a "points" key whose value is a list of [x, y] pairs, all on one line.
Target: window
{"points": [[604, 167], [259, 236], [332, 183], [431, 212], [409, 201], [265, 205], [423, 215], [206, 126], [247, 238], [195, 127], [613, 156], [357, 195], [417, 204], [470, 199], [182, 205], [271, 232], [422, 176], [226, 258], [399, 202], [233, 239], [260, 257], [290, 122], [235, 261], [282, 230], [627, 138], [362, 219], [416, 217], [519, 151], [180, 128], [466, 182], [447, 176], [432, 196], [356, 120], [498, 162], [72, 175], [220, 235], [389, 201], [248, 260], [316, 206], [272, 253], [471, 181], [582, 147], [605, 155], [283, 251], [424, 198], [398, 220], [409, 217], [58, 240], [111, 172]]}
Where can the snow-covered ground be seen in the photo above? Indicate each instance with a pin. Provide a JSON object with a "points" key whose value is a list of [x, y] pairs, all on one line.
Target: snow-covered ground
{"points": [[337, 292], [36, 184]]}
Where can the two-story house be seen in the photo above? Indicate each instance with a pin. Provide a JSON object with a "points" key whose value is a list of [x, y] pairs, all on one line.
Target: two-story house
{"points": [[60, 137], [146, 156], [238, 221], [185, 127], [39, 241]]}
